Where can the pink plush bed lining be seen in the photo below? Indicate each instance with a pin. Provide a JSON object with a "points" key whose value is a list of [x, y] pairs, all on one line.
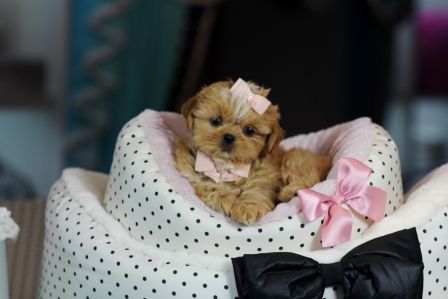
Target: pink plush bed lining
{"points": [[352, 139]]}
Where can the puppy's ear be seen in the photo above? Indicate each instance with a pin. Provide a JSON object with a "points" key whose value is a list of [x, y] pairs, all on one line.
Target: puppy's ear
{"points": [[274, 138], [277, 134], [187, 109]]}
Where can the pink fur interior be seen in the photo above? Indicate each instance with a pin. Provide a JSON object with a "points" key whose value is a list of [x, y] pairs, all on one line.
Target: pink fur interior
{"points": [[352, 139]]}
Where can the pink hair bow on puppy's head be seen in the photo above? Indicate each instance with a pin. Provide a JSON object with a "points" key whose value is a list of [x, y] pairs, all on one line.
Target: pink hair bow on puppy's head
{"points": [[352, 190], [242, 90]]}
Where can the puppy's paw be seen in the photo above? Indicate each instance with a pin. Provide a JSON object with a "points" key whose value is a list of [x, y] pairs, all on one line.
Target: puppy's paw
{"points": [[247, 211], [220, 201], [287, 192]]}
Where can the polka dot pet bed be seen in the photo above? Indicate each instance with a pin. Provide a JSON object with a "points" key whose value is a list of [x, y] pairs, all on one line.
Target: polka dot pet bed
{"points": [[141, 232], [158, 206]]}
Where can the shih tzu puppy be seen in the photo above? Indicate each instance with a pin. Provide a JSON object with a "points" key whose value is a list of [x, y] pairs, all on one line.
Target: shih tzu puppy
{"points": [[232, 155]]}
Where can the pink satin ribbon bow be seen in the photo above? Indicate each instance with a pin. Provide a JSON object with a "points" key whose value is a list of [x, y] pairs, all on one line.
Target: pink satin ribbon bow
{"points": [[206, 165], [258, 103], [352, 190]]}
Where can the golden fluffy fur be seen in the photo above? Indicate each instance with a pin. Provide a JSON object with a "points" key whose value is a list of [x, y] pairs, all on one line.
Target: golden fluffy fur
{"points": [[245, 200], [301, 169]]}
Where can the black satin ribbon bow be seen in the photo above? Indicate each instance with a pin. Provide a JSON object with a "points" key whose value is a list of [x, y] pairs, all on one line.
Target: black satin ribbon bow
{"points": [[386, 267]]}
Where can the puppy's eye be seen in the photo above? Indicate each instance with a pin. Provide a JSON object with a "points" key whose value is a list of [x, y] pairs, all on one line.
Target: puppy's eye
{"points": [[216, 121], [249, 131]]}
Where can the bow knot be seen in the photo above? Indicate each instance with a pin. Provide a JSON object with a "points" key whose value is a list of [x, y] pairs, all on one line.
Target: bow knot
{"points": [[351, 190], [242, 90], [332, 274], [387, 267], [228, 173]]}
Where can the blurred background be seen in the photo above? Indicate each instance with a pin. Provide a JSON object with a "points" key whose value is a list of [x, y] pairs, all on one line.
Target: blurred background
{"points": [[73, 72]]}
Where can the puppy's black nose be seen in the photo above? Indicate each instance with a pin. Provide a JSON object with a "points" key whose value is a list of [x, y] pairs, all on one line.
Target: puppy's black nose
{"points": [[228, 138]]}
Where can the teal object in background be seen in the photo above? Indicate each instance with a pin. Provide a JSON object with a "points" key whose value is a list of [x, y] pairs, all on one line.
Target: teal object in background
{"points": [[141, 72], [154, 33]]}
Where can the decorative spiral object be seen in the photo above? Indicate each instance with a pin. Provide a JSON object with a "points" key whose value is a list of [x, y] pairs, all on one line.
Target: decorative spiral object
{"points": [[90, 104]]}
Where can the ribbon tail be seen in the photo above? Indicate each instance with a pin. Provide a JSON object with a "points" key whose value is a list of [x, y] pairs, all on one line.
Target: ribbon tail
{"points": [[337, 226], [214, 175], [371, 203]]}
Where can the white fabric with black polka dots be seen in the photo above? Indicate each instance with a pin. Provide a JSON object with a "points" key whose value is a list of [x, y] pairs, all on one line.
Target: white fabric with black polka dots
{"points": [[88, 254], [141, 198], [144, 240]]}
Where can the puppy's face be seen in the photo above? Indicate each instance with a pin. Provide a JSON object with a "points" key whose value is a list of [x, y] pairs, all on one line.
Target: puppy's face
{"points": [[226, 128]]}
